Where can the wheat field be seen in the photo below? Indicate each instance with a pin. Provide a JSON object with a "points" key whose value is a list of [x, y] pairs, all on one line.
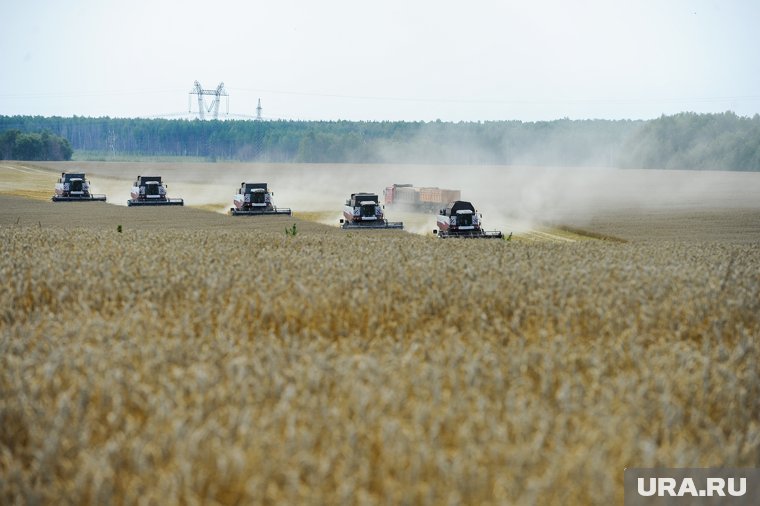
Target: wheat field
{"points": [[195, 358]]}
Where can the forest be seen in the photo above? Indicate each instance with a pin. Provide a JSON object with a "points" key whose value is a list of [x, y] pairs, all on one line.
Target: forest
{"points": [[722, 141], [15, 145]]}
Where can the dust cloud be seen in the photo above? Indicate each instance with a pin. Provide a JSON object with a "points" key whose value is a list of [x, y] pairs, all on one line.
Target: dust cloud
{"points": [[511, 198]]}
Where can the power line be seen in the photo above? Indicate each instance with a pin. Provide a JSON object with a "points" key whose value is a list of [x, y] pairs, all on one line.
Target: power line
{"points": [[84, 93], [529, 101]]}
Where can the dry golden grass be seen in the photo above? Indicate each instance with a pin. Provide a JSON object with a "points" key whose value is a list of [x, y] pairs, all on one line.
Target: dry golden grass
{"points": [[198, 358], [211, 366]]}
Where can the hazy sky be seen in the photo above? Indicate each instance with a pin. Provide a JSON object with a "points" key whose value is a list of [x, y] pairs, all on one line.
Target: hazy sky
{"points": [[383, 60]]}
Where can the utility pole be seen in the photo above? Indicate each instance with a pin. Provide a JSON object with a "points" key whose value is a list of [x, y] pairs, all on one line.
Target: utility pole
{"points": [[111, 140], [218, 93]]}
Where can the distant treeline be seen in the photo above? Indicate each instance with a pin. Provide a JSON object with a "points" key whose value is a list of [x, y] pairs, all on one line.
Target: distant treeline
{"points": [[15, 145], [684, 141], [696, 141]]}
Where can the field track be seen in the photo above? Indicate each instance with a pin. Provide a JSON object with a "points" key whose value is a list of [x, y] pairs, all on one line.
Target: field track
{"points": [[36, 182], [534, 204]]}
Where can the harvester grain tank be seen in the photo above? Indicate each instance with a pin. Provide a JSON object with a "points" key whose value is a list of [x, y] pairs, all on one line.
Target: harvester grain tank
{"points": [[255, 199], [363, 211], [151, 191], [74, 187], [425, 199], [460, 219]]}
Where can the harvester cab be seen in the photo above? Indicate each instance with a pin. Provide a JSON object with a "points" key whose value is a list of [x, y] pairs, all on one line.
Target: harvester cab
{"points": [[460, 219], [255, 199], [151, 191], [363, 210], [74, 187]]}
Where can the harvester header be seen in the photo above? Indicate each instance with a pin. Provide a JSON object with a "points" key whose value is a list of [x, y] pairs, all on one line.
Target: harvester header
{"points": [[151, 191], [74, 187], [363, 211], [255, 199], [460, 219]]}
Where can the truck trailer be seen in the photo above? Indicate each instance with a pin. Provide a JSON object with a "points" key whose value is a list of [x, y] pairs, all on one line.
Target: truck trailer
{"points": [[421, 199]]}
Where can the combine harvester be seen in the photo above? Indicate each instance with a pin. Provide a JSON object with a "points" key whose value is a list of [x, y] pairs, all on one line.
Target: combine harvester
{"points": [[150, 191], [460, 219], [418, 199], [74, 187], [362, 211], [254, 199]]}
